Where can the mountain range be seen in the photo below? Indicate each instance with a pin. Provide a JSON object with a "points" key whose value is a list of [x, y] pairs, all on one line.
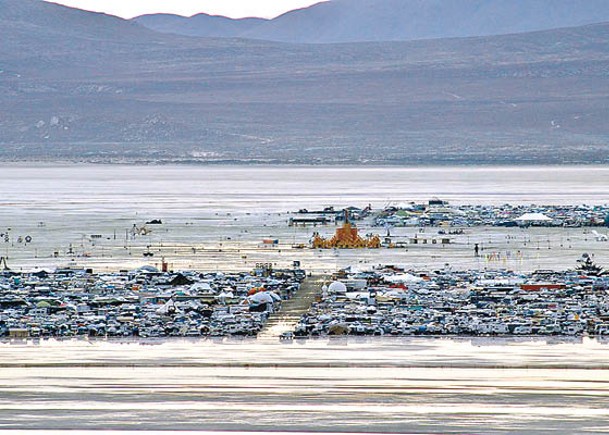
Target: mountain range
{"points": [[76, 85], [391, 20]]}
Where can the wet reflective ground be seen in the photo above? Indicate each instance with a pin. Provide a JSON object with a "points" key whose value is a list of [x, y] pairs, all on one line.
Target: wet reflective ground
{"points": [[416, 385]]}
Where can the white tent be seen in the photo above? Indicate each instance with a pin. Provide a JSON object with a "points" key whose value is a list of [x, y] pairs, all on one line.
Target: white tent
{"points": [[147, 269], [261, 297], [446, 210], [201, 287], [224, 295], [533, 217], [396, 293], [275, 296], [337, 287], [403, 278], [168, 308]]}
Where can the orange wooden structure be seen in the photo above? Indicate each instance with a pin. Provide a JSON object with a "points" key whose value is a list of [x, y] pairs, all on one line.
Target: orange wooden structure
{"points": [[346, 237]]}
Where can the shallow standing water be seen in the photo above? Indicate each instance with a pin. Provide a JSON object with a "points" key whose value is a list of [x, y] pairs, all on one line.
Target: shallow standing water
{"points": [[406, 385]]}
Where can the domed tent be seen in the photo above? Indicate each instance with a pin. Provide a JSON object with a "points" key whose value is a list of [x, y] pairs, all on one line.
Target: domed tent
{"points": [[337, 287]]}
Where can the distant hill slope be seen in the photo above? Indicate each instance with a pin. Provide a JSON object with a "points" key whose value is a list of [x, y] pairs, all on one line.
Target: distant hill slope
{"points": [[36, 16], [82, 86], [201, 25], [393, 20]]}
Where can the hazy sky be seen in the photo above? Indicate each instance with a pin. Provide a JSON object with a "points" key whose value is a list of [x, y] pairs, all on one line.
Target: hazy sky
{"points": [[229, 8]]}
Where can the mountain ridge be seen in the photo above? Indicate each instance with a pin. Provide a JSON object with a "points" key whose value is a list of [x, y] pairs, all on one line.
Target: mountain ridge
{"points": [[199, 25], [339, 21], [130, 94]]}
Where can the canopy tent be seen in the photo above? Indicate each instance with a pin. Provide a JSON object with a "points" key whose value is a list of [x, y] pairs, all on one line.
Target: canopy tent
{"points": [[261, 298], [147, 269], [403, 278], [533, 217], [201, 287], [180, 279], [168, 308], [395, 294], [223, 296], [255, 290]]}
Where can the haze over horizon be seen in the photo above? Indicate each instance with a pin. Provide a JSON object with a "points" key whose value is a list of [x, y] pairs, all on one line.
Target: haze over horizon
{"points": [[226, 8]]}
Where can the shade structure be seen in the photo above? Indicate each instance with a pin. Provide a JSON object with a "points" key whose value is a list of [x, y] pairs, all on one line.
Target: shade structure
{"points": [[533, 217], [403, 278], [261, 297]]}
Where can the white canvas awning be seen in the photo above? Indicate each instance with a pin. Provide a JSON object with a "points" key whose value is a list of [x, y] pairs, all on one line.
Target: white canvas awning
{"points": [[533, 217]]}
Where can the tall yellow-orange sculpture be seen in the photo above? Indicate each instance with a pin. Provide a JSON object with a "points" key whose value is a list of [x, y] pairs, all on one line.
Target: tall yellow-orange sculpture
{"points": [[346, 237]]}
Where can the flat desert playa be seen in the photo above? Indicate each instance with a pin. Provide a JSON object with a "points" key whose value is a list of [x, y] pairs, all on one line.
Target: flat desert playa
{"points": [[237, 243], [217, 217]]}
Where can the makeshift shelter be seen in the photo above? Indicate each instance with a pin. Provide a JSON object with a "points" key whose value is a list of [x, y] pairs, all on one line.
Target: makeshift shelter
{"points": [[261, 298], [533, 219], [168, 308], [41, 274], [403, 278], [338, 329], [180, 279]]}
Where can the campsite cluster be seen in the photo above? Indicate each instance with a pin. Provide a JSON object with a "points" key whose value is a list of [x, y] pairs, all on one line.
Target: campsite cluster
{"points": [[391, 301], [144, 302], [439, 212]]}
